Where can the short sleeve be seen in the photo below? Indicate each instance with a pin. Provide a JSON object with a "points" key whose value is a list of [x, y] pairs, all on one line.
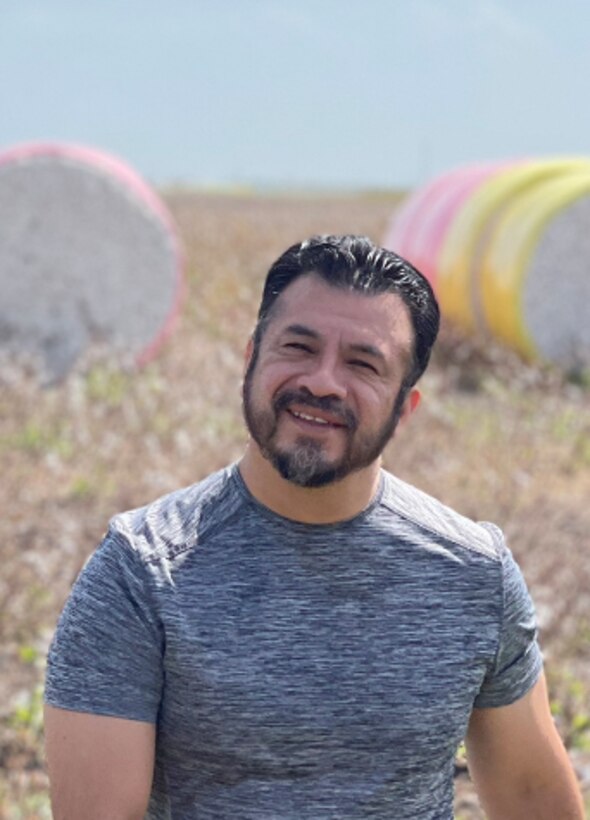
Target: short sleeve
{"points": [[518, 661], [106, 654]]}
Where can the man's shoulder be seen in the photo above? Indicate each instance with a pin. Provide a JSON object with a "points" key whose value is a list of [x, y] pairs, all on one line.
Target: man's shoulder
{"points": [[431, 517], [173, 525]]}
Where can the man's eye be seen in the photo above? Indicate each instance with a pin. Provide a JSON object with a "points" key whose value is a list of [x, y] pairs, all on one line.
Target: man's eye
{"points": [[364, 365], [298, 346]]}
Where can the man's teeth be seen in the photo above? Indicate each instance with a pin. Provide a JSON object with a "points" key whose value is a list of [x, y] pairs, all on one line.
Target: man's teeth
{"points": [[306, 417]]}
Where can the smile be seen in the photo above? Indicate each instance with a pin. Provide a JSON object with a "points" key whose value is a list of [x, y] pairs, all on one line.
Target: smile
{"points": [[312, 419]]}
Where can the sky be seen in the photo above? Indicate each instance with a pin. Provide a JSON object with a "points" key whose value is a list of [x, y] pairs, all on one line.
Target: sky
{"points": [[298, 93]]}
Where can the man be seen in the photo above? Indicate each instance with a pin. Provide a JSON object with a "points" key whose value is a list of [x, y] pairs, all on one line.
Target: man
{"points": [[302, 635]]}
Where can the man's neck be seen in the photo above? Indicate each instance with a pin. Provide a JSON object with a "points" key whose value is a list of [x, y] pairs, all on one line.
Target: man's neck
{"points": [[319, 505]]}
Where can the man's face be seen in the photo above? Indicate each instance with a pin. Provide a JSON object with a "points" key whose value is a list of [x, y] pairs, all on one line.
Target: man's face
{"points": [[319, 397]]}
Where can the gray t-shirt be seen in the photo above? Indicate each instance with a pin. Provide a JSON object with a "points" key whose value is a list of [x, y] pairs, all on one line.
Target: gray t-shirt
{"points": [[296, 671]]}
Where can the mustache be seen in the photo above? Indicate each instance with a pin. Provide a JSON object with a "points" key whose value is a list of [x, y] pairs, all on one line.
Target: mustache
{"points": [[328, 404]]}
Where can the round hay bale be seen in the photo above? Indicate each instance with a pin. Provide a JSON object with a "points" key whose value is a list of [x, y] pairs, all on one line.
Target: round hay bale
{"points": [[459, 263], [89, 258], [535, 274]]}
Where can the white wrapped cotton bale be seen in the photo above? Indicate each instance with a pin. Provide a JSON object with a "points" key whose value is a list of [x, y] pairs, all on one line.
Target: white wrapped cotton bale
{"points": [[536, 272], [89, 258], [459, 269]]}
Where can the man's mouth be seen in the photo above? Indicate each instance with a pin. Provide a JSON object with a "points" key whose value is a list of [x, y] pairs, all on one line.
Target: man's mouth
{"points": [[315, 411], [312, 418]]}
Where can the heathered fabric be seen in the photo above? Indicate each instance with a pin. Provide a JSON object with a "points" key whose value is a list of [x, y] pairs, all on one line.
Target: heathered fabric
{"points": [[296, 671]]}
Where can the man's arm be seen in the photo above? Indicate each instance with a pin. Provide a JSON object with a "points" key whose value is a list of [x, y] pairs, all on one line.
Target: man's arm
{"points": [[100, 768], [518, 763]]}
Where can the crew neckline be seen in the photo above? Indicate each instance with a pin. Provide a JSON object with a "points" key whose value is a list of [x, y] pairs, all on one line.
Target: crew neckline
{"points": [[267, 512]]}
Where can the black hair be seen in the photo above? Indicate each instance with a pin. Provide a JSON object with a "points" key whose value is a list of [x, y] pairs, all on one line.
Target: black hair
{"points": [[355, 262]]}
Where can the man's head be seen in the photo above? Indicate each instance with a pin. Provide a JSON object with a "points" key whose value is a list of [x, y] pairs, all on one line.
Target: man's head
{"points": [[357, 264], [345, 329]]}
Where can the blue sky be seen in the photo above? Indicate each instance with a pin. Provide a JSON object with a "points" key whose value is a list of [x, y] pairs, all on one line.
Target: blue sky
{"points": [[323, 93]]}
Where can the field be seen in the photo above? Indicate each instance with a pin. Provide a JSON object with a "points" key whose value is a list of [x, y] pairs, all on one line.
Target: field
{"points": [[495, 438]]}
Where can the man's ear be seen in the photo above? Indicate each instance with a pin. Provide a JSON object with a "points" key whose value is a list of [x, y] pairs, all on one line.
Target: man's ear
{"points": [[410, 404]]}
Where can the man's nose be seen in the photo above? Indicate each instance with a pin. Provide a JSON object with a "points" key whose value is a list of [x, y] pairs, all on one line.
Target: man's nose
{"points": [[323, 377]]}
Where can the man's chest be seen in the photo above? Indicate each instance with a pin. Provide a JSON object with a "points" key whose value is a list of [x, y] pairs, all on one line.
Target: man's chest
{"points": [[285, 675]]}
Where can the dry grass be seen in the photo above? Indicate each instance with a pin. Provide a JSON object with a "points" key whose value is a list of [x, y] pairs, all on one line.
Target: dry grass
{"points": [[496, 439]]}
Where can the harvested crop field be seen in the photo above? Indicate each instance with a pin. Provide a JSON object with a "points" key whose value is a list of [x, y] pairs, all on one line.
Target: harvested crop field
{"points": [[495, 438]]}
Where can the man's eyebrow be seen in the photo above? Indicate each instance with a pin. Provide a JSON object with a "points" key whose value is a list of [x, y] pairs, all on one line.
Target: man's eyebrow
{"points": [[302, 330]]}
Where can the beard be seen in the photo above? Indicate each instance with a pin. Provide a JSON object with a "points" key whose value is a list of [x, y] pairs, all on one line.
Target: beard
{"points": [[305, 462]]}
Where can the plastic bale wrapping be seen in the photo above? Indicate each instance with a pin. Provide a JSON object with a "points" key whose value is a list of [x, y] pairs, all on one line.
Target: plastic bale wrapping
{"points": [[436, 223], [418, 229], [535, 276], [460, 260]]}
